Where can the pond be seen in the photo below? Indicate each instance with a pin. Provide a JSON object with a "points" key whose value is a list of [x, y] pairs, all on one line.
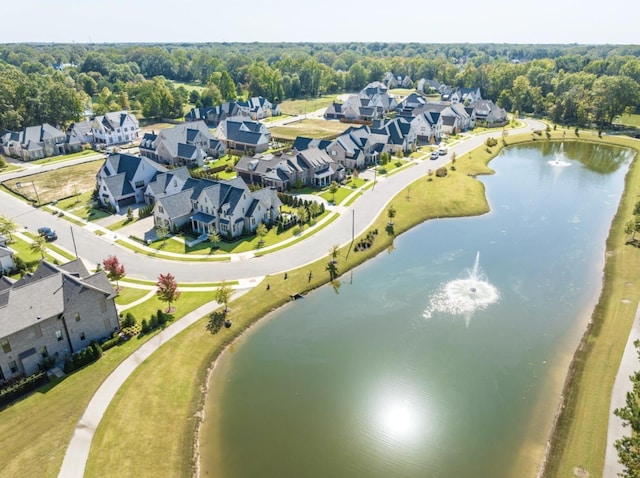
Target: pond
{"points": [[443, 358]]}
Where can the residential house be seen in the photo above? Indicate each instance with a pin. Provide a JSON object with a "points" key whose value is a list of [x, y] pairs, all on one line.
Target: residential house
{"points": [[309, 167], [173, 211], [354, 148], [428, 127], [410, 103], [73, 307], [6, 257], [428, 86], [370, 104], [243, 135], [167, 183], [187, 144], [36, 142], [123, 179], [489, 114], [231, 209], [394, 135], [301, 143], [115, 128], [397, 81], [255, 108], [465, 95]]}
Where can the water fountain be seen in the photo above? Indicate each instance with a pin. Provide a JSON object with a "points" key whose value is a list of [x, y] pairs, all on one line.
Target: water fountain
{"points": [[464, 296], [560, 160]]}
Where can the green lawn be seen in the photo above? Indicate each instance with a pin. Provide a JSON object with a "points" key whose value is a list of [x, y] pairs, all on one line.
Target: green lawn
{"points": [[10, 168], [629, 120], [67, 157], [314, 128], [126, 295], [299, 107], [341, 195], [401, 91], [189, 86], [46, 418]]}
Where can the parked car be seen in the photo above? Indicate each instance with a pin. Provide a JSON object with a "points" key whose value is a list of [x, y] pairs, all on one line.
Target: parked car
{"points": [[442, 150], [48, 233], [435, 154]]}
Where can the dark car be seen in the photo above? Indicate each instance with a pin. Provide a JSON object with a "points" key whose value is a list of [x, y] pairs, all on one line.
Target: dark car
{"points": [[48, 233]]}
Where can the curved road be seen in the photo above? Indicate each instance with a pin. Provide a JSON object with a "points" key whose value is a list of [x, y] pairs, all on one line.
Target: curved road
{"points": [[94, 249]]}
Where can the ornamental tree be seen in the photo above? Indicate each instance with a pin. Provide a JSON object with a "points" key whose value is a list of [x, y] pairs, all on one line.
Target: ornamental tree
{"points": [[114, 269], [167, 290]]}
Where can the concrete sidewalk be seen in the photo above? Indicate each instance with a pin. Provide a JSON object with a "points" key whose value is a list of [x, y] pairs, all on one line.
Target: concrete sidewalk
{"points": [[628, 365], [75, 458]]}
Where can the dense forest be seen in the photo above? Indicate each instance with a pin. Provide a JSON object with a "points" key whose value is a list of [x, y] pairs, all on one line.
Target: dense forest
{"points": [[55, 83]]}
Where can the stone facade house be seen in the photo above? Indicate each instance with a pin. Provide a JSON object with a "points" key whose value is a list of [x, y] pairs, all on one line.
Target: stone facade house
{"points": [[73, 308], [36, 142]]}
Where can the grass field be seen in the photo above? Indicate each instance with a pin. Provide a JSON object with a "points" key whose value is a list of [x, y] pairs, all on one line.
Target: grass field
{"points": [[315, 128], [57, 184], [630, 120], [9, 168], [126, 295], [189, 86], [300, 107], [67, 157]]}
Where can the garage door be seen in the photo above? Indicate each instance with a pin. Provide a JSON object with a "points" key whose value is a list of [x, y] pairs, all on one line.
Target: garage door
{"points": [[127, 201]]}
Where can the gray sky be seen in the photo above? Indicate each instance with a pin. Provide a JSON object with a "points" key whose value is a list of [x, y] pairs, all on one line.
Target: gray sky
{"points": [[458, 21]]}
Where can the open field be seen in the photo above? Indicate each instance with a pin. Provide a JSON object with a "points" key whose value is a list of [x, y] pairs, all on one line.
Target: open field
{"points": [[315, 128], [300, 107], [57, 184], [630, 120], [66, 157]]}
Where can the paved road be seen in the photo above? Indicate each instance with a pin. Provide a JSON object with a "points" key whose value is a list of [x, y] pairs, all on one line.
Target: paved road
{"points": [[361, 214]]}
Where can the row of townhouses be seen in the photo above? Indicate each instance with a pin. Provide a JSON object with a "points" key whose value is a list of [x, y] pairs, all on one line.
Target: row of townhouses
{"points": [[37, 142], [227, 207], [255, 108]]}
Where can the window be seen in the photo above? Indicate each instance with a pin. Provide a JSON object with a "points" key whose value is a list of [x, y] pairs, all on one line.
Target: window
{"points": [[104, 188], [59, 335], [160, 209], [139, 184], [77, 317], [82, 336], [175, 183], [44, 352], [6, 346], [103, 305], [38, 330], [13, 366]]}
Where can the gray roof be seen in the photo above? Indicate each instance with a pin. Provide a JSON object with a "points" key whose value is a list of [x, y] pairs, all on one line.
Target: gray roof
{"points": [[178, 204], [54, 288]]}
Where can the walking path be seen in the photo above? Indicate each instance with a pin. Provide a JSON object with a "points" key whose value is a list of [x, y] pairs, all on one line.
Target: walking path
{"points": [[77, 453], [628, 365], [75, 458]]}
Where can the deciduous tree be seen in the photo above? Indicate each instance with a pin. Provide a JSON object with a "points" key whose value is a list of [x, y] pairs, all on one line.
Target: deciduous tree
{"points": [[167, 289], [115, 269]]}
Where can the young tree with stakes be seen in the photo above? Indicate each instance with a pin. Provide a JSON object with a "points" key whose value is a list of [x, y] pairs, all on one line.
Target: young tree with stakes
{"points": [[167, 290], [39, 245], [115, 269], [223, 295]]}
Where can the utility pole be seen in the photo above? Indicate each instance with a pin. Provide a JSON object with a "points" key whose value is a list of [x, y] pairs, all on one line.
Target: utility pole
{"points": [[73, 238]]}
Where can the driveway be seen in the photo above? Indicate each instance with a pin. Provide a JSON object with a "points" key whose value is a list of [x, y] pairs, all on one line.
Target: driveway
{"points": [[142, 229]]}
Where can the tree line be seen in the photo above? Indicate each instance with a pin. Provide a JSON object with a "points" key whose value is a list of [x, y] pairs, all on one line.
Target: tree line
{"points": [[570, 84]]}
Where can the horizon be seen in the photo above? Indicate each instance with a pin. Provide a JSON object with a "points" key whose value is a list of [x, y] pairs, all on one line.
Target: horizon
{"points": [[549, 22]]}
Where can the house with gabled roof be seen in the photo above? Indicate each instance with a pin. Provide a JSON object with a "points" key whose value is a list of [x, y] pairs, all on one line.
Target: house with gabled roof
{"points": [[301, 143], [488, 113], [354, 148], [465, 95], [123, 179], [243, 135], [73, 308], [115, 127], [255, 108], [397, 81], [187, 144], [309, 167], [428, 127], [427, 86], [168, 182], [36, 142], [231, 209]]}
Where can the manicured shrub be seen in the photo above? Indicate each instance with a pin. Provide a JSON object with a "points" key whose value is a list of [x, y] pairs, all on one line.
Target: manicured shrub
{"points": [[129, 320], [144, 326]]}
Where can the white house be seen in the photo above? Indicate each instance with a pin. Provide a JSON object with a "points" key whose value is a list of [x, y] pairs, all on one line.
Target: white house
{"points": [[115, 128]]}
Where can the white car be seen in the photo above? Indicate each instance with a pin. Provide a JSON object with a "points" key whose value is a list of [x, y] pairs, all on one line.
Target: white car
{"points": [[435, 154], [442, 150]]}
